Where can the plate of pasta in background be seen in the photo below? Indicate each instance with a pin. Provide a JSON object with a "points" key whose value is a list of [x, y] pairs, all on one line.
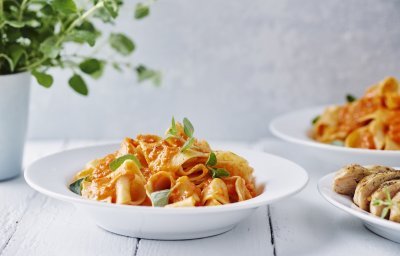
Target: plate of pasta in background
{"points": [[365, 130], [166, 187]]}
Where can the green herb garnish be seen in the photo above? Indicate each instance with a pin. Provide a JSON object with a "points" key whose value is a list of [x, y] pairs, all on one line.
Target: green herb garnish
{"points": [[141, 11], [212, 160], [218, 172], [215, 172], [76, 186], [172, 132], [337, 143], [160, 198], [188, 127], [350, 98], [120, 160], [388, 203], [315, 120], [187, 144]]}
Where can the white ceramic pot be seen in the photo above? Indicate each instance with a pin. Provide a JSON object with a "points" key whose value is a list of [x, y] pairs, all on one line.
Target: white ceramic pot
{"points": [[14, 105]]}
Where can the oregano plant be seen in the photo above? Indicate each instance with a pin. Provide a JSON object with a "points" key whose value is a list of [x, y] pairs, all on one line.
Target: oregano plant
{"points": [[34, 35]]}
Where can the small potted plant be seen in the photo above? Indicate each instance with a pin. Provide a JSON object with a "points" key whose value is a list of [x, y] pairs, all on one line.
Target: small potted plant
{"points": [[33, 39]]}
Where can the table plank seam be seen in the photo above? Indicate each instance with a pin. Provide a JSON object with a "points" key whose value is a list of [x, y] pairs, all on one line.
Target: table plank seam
{"points": [[271, 229], [137, 246], [30, 199]]}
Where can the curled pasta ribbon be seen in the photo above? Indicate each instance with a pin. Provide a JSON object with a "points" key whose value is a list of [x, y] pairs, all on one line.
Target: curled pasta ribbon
{"points": [[130, 191], [183, 190], [237, 189], [123, 190], [377, 129], [188, 202], [101, 188], [216, 193], [196, 174], [386, 86], [236, 165], [360, 138], [159, 181], [326, 126]]}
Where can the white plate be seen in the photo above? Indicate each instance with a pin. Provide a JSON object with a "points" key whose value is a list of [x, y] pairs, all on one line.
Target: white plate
{"points": [[51, 176], [382, 227], [295, 127]]}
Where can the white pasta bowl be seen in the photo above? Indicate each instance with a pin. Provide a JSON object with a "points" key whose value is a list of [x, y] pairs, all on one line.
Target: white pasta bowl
{"points": [[295, 127], [51, 176], [382, 227]]}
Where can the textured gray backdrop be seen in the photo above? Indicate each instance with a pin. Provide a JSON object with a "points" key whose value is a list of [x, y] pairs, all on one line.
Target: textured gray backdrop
{"points": [[231, 66]]}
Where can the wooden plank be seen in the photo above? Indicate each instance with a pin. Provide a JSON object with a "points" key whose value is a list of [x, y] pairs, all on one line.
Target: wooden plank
{"points": [[250, 237], [52, 227], [308, 225], [16, 195]]}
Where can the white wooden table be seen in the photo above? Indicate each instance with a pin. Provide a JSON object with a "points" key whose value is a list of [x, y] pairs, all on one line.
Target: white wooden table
{"points": [[33, 224]]}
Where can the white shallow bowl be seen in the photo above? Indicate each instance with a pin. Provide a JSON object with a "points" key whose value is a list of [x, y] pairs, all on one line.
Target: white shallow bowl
{"points": [[295, 127], [51, 176], [382, 227]]}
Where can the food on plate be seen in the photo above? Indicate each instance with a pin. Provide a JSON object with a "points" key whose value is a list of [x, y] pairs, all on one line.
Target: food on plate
{"points": [[348, 177], [374, 188], [176, 170], [370, 122]]}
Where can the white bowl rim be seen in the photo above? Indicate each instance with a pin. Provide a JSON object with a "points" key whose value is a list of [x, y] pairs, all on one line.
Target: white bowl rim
{"points": [[356, 211], [312, 143], [248, 204]]}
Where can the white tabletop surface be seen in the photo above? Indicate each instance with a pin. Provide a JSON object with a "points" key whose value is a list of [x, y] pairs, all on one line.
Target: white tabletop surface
{"points": [[33, 224]]}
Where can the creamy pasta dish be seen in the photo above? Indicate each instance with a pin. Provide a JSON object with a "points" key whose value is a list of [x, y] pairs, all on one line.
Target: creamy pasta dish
{"points": [[370, 122], [176, 170]]}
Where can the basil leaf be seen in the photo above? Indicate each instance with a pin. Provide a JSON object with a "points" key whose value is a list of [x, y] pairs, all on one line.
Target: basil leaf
{"points": [[350, 98], [120, 160], [337, 143], [76, 186], [145, 73], [315, 120], [90, 66], [219, 172], [121, 43], [141, 11], [212, 159], [187, 144], [385, 211], [49, 47], [112, 7], [160, 198], [78, 84], [188, 127], [172, 129], [66, 7], [43, 79]]}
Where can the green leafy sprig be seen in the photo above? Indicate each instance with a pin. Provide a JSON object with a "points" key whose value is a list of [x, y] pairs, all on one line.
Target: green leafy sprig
{"points": [[388, 203], [120, 160], [215, 172], [187, 129], [34, 33], [160, 198], [350, 98], [76, 186]]}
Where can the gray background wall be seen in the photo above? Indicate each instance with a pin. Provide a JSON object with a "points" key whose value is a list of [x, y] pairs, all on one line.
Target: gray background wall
{"points": [[230, 66]]}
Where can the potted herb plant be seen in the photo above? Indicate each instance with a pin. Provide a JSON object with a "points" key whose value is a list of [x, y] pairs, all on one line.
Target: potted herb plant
{"points": [[33, 39]]}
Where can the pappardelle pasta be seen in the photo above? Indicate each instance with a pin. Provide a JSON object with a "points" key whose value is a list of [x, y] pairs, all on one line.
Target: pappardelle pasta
{"points": [[371, 122], [175, 171]]}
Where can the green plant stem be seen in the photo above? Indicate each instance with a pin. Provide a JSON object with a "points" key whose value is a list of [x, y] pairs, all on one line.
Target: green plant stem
{"points": [[127, 64], [62, 37], [1, 8], [22, 9]]}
